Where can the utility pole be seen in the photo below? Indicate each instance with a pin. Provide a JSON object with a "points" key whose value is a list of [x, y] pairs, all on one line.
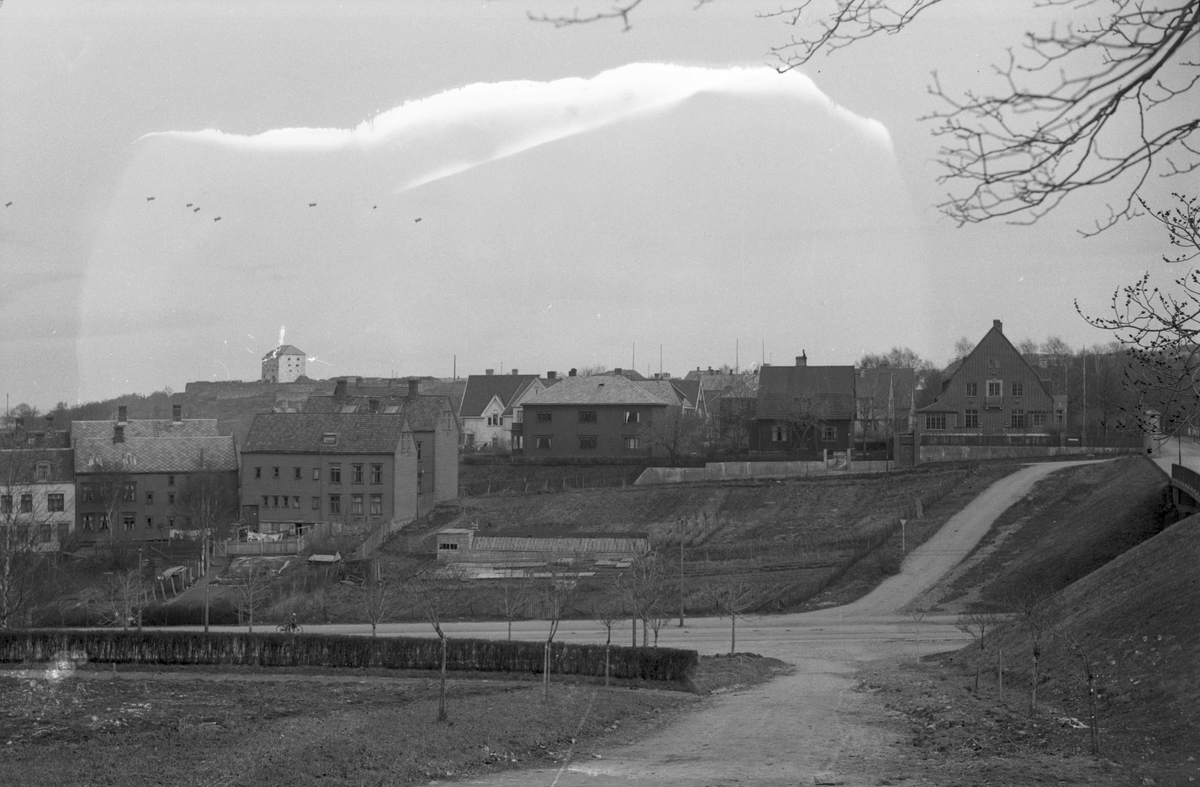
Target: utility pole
{"points": [[681, 529]]}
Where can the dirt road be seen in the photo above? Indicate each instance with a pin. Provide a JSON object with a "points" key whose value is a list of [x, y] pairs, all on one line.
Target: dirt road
{"points": [[798, 726]]}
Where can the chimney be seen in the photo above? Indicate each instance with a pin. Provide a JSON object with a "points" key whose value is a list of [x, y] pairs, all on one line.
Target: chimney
{"points": [[618, 370], [552, 375], [339, 389], [489, 372], [177, 413], [122, 413], [514, 371], [572, 373], [998, 326], [802, 359], [118, 434], [358, 382], [413, 387]]}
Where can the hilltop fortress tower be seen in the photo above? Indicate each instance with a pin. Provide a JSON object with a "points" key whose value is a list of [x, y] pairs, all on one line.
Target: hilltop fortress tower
{"points": [[284, 364]]}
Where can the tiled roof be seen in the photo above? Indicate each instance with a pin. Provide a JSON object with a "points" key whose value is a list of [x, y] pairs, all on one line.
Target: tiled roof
{"points": [[603, 389], [304, 433], [482, 387], [824, 391], [32, 438], [156, 454], [18, 466], [689, 389], [663, 390], [145, 427], [283, 349], [423, 412]]}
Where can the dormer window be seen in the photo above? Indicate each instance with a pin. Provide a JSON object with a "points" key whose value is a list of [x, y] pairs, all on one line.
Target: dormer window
{"points": [[41, 472], [329, 438]]}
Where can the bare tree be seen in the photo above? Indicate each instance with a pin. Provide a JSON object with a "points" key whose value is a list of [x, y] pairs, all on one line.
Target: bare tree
{"points": [[209, 502], [516, 593], [377, 602], [677, 432], [963, 348], [1088, 663], [977, 624], [123, 595], [804, 421], [733, 598], [606, 607], [1062, 118], [1160, 332], [435, 592], [22, 514], [253, 584], [556, 597], [1033, 612]]}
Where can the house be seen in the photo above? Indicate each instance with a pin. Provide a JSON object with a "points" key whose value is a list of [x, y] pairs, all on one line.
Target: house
{"points": [[435, 427], [605, 417], [132, 476], [284, 364], [993, 391], [886, 402], [300, 469], [489, 403], [804, 408], [37, 485]]}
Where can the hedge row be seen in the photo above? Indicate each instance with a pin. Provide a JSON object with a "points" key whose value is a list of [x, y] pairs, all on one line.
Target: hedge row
{"points": [[331, 650]]}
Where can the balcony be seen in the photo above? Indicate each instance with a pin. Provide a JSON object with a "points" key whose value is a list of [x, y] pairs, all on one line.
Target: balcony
{"points": [[994, 402]]}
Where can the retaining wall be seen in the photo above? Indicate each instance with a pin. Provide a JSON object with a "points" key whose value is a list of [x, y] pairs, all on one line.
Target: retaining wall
{"points": [[970, 453], [726, 471]]}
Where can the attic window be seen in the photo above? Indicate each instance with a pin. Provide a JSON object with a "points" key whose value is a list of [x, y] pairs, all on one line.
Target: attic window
{"points": [[329, 438]]}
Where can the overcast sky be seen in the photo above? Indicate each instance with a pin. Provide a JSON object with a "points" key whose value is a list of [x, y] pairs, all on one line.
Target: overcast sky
{"points": [[496, 191]]}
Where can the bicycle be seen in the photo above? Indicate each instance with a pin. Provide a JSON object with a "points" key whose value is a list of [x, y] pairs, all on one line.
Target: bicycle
{"points": [[291, 627]]}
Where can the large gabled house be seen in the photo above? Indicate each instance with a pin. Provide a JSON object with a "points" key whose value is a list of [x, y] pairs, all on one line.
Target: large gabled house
{"points": [[994, 391], [435, 427], [489, 404], [804, 409], [132, 476], [37, 486], [300, 469], [604, 418]]}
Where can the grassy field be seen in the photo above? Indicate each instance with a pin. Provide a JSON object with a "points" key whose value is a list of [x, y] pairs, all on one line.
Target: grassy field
{"points": [[288, 727]]}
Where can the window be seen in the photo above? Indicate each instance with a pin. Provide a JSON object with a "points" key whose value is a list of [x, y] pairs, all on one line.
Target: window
{"points": [[41, 472], [89, 522], [587, 442], [935, 421], [295, 501], [971, 419], [170, 480], [972, 389], [541, 441], [297, 473], [5, 504], [373, 405], [543, 416], [633, 417], [329, 438], [335, 474], [27, 503], [129, 521], [170, 521], [356, 504], [89, 492], [44, 534], [376, 474], [316, 503], [418, 451], [149, 498], [631, 443], [335, 504], [587, 416], [275, 501], [448, 546], [258, 472], [1018, 389], [316, 474], [519, 442], [275, 472], [829, 434], [170, 498], [149, 523], [1058, 416], [1039, 419], [55, 502], [376, 505], [495, 420], [266, 501], [1018, 419], [356, 474], [129, 491], [994, 388], [778, 433]]}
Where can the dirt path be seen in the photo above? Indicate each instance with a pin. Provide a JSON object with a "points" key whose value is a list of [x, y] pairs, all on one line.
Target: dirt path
{"points": [[812, 722]]}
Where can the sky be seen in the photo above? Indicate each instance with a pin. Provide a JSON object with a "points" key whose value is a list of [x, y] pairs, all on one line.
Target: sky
{"points": [[437, 187]]}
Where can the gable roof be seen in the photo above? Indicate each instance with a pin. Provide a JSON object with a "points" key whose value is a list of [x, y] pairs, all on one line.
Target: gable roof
{"points": [[884, 383], [688, 389], [145, 427], [987, 344], [602, 389], [422, 412], [824, 391], [304, 433], [156, 454], [482, 387], [664, 390], [19, 465]]}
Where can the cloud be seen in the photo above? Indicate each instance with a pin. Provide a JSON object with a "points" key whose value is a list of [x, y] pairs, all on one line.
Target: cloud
{"points": [[491, 121]]}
